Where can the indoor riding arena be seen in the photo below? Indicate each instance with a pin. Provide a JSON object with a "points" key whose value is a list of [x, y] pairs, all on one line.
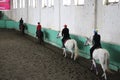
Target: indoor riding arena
{"points": [[25, 54]]}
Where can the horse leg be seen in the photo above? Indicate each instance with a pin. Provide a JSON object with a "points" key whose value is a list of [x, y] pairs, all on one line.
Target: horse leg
{"points": [[75, 57], [102, 62], [104, 74], [71, 54], [64, 52], [42, 37], [94, 64], [23, 31], [40, 40]]}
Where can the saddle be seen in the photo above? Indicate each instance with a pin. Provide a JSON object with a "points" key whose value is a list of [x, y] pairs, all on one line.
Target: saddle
{"points": [[39, 33], [21, 27], [65, 40]]}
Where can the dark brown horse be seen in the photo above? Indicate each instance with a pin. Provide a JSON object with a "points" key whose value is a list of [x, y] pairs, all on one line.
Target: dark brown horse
{"points": [[40, 36], [22, 28]]}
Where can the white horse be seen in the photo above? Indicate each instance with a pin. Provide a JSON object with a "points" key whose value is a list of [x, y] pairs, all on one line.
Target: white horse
{"points": [[102, 55], [70, 45]]}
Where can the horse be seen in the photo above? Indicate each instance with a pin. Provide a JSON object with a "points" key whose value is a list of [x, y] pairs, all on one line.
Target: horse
{"points": [[40, 35], [102, 55], [22, 28], [70, 45]]}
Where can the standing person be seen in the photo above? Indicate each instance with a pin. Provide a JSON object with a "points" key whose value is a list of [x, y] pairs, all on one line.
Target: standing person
{"points": [[65, 34], [96, 43]]}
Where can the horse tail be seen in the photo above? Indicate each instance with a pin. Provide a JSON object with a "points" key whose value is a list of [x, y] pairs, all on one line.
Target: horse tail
{"points": [[75, 50], [107, 62]]}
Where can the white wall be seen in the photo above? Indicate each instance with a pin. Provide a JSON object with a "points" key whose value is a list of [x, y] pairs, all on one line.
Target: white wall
{"points": [[81, 20], [34, 14], [108, 17]]}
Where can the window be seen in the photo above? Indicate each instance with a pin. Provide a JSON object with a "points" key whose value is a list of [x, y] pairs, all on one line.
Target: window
{"points": [[66, 2], [113, 0], [32, 3], [44, 3], [29, 2], [48, 3], [78, 2], [106, 2], [14, 4], [22, 3]]}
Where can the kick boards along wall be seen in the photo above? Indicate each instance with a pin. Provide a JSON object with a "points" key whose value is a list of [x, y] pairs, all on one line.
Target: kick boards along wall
{"points": [[51, 37]]}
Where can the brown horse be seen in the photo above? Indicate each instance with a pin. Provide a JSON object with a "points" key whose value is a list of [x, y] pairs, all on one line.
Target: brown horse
{"points": [[40, 35], [22, 28]]}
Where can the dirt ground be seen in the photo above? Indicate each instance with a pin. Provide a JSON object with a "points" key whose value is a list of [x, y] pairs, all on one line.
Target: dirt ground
{"points": [[22, 58]]}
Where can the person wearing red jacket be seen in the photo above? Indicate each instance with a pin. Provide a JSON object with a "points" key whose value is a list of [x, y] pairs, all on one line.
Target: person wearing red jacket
{"points": [[38, 26], [38, 31]]}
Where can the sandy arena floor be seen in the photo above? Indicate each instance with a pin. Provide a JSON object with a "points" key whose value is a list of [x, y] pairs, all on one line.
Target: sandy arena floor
{"points": [[22, 58]]}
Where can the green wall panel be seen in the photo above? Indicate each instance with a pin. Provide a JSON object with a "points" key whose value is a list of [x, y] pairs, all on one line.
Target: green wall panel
{"points": [[2, 23], [51, 35], [114, 51], [10, 24], [31, 30], [16, 25]]}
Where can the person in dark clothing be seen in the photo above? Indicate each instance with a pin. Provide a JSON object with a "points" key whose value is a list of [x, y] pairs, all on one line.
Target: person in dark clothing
{"points": [[21, 22], [65, 34], [96, 43], [21, 26]]}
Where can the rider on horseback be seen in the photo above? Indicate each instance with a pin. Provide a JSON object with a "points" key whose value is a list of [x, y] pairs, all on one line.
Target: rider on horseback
{"points": [[39, 33], [65, 34], [96, 42], [21, 23], [22, 26]]}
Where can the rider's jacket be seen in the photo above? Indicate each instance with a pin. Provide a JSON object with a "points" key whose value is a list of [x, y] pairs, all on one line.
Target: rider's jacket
{"points": [[65, 33]]}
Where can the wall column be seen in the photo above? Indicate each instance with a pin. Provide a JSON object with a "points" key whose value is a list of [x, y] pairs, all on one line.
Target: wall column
{"points": [[59, 14], [95, 14]]}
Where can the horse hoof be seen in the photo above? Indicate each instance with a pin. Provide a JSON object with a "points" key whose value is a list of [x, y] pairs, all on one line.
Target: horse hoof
{"points": [[96, 73], [74, 59], [91, 69]]}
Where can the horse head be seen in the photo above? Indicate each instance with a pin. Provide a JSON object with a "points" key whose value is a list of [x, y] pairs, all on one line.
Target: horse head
{"points": [[59, 35], [88, 41]]}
